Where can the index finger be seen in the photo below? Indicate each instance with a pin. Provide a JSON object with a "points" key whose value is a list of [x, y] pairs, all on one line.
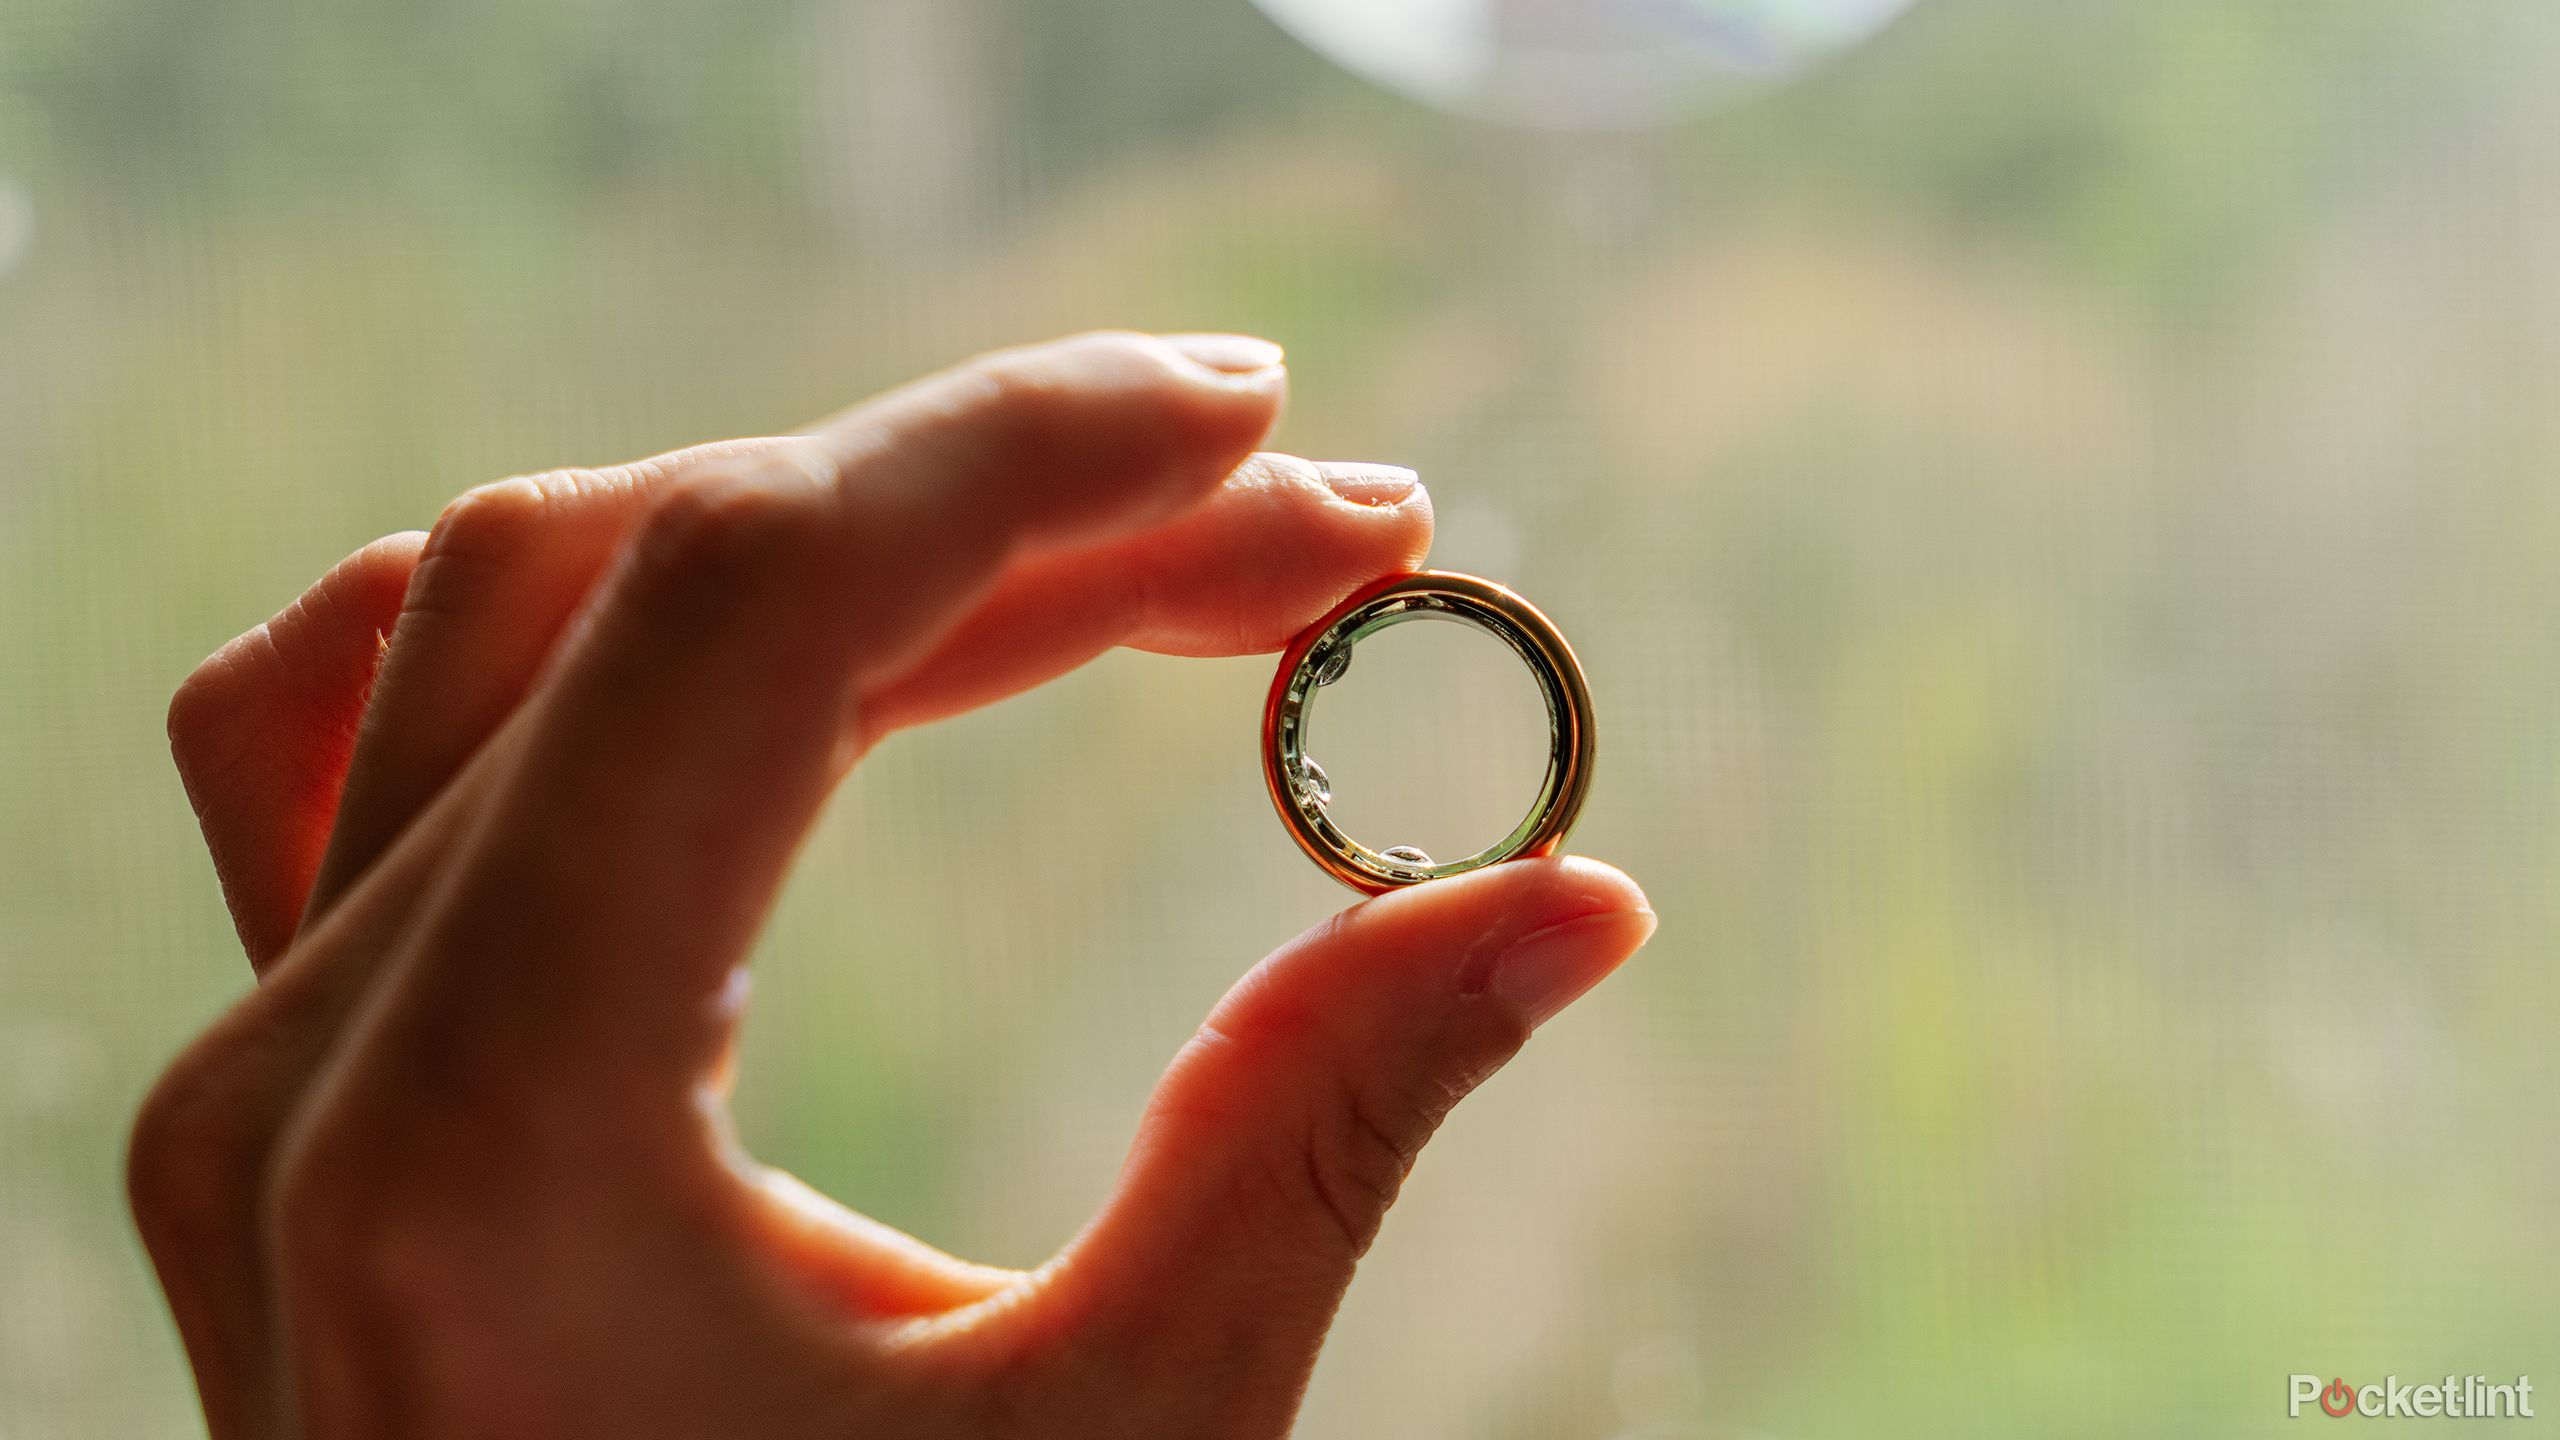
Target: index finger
{"points": [[668, 769]]}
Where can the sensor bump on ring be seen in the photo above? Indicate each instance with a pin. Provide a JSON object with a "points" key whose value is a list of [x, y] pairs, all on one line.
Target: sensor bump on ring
{"points": [[1303, 793]]}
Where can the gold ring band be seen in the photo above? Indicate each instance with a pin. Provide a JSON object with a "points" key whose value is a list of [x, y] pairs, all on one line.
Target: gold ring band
{"points": [[1300, 791]]}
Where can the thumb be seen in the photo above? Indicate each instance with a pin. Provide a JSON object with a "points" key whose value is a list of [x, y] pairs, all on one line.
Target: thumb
{"points": [[1277, 1140]]}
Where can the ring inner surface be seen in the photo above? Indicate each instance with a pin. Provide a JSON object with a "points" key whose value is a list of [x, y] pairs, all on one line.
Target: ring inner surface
{"points": [[1325, 662]]}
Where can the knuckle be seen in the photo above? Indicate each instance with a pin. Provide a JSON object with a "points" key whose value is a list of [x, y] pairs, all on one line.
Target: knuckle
{"points": [[200, 713], [372, 580], [364, 585], [352, 606], [481, 533], [490, 522], [1108, 408], [192, 1156], [1024, 397], [1110, 404], [1083, 379], [216, 712], [723, 525], [1123, 355]]}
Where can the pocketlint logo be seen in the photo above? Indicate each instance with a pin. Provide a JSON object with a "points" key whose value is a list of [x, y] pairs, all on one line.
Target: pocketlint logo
{"points": [[2459, 1397]]}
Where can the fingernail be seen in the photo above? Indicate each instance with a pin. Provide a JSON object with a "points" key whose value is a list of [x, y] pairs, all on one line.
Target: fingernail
{"points": [[1231, 354], [1546, 970], [1365, 484]]}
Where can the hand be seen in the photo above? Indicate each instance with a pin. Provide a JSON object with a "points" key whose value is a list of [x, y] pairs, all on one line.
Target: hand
{"points": [[459, 1164]]}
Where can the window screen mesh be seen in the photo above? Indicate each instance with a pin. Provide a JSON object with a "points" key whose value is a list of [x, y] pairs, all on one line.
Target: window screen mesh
{"points": [[2058, 509]]}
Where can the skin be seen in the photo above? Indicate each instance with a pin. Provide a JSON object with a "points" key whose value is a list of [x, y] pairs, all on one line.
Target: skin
{"points": [[498, 810]]}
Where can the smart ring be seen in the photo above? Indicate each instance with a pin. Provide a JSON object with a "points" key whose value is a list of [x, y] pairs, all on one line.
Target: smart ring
{"points": [[1301, 791]]}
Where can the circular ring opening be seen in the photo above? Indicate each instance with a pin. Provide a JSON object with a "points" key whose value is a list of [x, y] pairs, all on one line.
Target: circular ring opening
{"points": [[1302, 792]]}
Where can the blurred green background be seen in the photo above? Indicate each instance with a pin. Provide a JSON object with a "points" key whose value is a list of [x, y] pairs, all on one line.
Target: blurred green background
{"points": [[2058, 508]]}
